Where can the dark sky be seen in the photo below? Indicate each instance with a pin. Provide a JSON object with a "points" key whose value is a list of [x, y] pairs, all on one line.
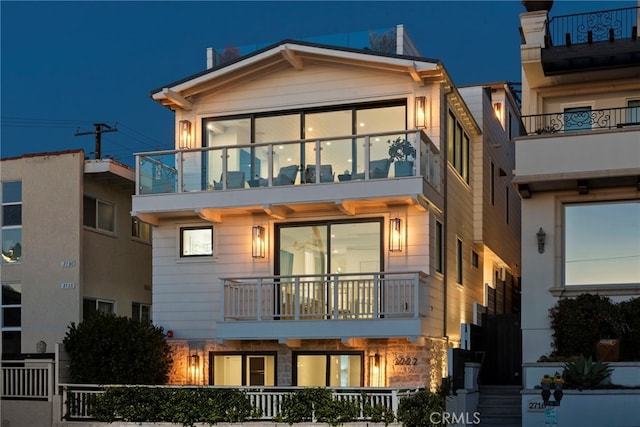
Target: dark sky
{"points": [[67, 65]]}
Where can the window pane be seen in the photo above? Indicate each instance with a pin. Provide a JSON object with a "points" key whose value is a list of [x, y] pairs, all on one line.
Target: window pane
{"points": [[106, 216], [227, 370], [261, 370], [602, 243], [89, 212], [439, 246], [577, 118], [11, 294], [12, 192], [105, 306], [345, 371], [145, 314], [278, 128], [219, 133], [633, 111], [11, 316], [12, 215], [312, 370], [197, 241], [11, 342], [135, 311], [11, 244], [334, 154], [88, 307]]}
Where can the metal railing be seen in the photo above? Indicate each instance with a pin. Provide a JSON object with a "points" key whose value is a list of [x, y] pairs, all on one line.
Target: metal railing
{"points": [[593, 26], [326, 297], [584, 120], [78, 400], [27, 380], [361, 157]]}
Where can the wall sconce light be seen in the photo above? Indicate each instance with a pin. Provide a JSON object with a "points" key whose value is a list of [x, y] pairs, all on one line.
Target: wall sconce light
{"points": [[421, 112], [497, 110], [193, 368], [258, 241], [395, 235], [185, 134], [541, 235], [376, 371]]}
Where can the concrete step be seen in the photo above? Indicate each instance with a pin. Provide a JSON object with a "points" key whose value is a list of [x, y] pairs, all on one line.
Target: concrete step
{"points": [[500, 410]]}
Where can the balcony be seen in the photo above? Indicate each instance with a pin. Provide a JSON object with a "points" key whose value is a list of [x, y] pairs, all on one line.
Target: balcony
{"points": [[591, 41], [579, 150], [364, 305], [243, 177]]}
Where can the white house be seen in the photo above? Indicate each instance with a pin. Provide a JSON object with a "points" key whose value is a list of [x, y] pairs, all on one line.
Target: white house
{"points": [[290, 248]]}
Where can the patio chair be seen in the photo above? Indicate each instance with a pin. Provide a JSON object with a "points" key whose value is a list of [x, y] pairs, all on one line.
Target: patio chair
{"points": [[326, 174], [286, 176], [235, 179], [377, 169]]}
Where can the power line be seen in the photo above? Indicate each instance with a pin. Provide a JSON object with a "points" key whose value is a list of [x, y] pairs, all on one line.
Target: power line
{"points": [[100, 128]]}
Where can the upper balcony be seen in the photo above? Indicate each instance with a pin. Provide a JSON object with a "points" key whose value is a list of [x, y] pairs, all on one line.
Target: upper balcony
{"points": [[603, 39], [244, 178], [579, 148]]}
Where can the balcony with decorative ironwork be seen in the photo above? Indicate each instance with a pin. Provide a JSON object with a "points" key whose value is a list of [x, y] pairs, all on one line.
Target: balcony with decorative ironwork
{"points": [[362, 305], [585, 120], [590, 41], [246, 178]]}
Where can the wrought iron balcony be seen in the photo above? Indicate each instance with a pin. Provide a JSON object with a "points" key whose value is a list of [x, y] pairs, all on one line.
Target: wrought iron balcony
{"points": [[604, 25], [584, 120], [336, 159]]}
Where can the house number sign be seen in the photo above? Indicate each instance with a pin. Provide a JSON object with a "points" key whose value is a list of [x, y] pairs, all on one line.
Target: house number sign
{"points": [[405, 361]]}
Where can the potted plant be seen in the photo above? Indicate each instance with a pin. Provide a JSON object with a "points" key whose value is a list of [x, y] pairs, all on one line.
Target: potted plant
{"points": [[402, 154]]}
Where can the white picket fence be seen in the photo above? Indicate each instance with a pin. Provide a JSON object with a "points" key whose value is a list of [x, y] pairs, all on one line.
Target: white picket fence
{"points": [[28, 379]]}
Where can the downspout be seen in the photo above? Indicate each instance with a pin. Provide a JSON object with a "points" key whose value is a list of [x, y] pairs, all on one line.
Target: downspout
{"points": [[446, 90]]}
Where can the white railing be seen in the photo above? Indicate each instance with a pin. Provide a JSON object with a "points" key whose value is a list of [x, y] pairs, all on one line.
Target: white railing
{"points": [[246, 166], [77, 400], [329, 297], [27, 379]]}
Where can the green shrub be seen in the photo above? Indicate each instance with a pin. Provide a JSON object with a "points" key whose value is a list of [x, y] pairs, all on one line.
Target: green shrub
{"points": [[185, 406], [578, 323], [415, 410], [107, 349], [584, 373], [630, 340]]}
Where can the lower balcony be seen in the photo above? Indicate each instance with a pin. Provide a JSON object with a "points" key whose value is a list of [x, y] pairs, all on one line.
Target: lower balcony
{"points": [[364, 305]]}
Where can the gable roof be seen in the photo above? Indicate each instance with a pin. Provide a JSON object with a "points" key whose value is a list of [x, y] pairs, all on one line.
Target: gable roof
{"points": [[296, 54]]}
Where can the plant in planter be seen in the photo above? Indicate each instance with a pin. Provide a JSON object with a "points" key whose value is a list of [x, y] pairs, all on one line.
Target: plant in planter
{"points": [[584, 373], [402, 154]]}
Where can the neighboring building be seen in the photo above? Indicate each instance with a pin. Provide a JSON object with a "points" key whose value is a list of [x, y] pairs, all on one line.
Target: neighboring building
{"points": [[69, 247], [289, 250]]}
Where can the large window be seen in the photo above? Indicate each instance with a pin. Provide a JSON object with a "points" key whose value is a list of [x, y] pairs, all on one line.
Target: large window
{"points": [[99, 214], [196, 241], [242, 369], [328, 369], [11, 222], [458, 146], [602, 243], [11, 318]]}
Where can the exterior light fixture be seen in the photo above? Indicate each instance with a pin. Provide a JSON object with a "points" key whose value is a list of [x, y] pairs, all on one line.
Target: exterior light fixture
{"points": [[376, 371], [395, 235], [258, 241], [193, 368], [497, 110], [541, 236], [185, 134], [421, 112]]}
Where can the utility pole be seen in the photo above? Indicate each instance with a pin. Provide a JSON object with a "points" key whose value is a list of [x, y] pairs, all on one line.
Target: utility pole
{"points": [[100, 128]]}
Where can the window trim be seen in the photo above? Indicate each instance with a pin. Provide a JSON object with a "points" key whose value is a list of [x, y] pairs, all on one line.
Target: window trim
{"points": [[181, 229]]}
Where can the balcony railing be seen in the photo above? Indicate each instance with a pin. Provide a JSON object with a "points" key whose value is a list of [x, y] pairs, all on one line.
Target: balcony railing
{"points": [[33, 381], [78, 399], [338, 159], [587, 120], [590, 27], [326, 297]]}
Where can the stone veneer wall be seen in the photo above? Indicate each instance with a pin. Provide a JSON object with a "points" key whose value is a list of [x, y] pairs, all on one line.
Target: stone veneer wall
{"points": [[404, 364]]}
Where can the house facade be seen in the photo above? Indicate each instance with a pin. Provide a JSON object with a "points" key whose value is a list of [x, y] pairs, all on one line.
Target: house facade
{"points": [[322, 220], [69, 247], [578, 167]]}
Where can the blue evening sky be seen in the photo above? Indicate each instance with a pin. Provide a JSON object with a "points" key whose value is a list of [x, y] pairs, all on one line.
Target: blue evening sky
{"points": [[67, 65]]}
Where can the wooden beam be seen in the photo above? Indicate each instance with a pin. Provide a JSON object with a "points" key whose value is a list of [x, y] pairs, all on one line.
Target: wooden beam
{"points": [[420, 202], [177, 99], [210, 215], [292, 58], [277, 212], [415, 76], [347, 207]]}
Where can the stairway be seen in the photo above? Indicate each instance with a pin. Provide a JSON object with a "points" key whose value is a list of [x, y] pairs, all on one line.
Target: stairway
{"points": [[500, 406]]}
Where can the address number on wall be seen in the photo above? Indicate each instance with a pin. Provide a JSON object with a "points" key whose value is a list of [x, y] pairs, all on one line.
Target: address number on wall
{"points": [[405, 361]]}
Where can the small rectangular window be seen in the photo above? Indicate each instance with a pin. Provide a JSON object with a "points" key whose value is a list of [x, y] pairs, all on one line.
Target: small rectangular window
{"points": [[141, 312], [196, 241], [91, 305], [11, 221], [506, 204], [140, 230], [493, 184], [459, 260], [439, 247], [475, 259]]}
